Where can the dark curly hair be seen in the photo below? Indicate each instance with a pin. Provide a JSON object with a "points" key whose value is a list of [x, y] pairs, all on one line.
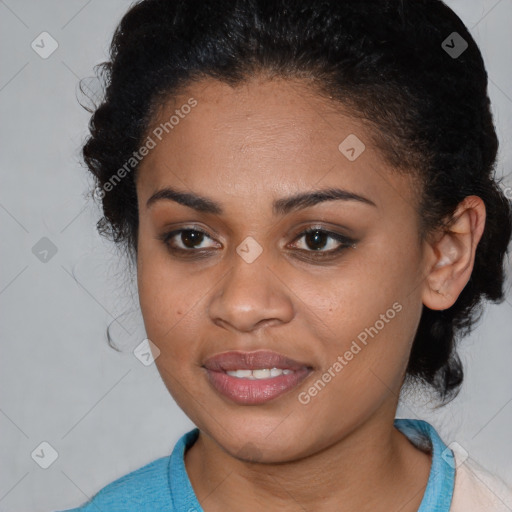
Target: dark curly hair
{"points": [[387, 62]]}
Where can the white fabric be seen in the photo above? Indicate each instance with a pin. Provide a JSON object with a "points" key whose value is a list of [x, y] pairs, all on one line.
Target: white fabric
{"points": [[477, 490]]}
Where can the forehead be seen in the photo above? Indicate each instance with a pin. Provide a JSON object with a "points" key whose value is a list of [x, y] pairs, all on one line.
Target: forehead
{"points": [[264, 135], [255, 116]]}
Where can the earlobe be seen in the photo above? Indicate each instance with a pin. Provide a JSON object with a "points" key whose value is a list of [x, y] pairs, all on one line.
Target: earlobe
{"points": [[453, 255]]}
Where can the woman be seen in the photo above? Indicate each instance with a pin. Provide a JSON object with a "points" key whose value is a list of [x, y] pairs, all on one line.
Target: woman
{"points": [[307, 191]]}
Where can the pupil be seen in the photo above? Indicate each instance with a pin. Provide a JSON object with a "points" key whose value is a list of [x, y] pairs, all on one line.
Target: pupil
{"points": [[189, 238], [314, 237]]}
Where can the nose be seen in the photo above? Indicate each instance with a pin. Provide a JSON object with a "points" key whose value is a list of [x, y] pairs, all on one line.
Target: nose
{"points": [[250, 296]]}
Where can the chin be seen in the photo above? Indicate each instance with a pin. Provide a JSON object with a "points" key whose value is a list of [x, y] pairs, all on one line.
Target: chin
{"points": [[259, 442]]}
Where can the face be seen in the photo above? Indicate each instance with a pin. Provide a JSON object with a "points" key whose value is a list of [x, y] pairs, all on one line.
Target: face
{"points": [[239, 272]]}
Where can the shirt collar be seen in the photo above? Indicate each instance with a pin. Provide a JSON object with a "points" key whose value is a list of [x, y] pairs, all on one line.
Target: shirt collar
{"points": [[439, 491], [183, 496]]}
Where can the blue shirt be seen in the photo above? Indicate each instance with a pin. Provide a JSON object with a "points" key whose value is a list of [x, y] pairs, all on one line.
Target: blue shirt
{"points": [[163, 485]]}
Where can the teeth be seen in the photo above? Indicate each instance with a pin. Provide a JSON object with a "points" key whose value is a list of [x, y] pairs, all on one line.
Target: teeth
{"points": [[241, 374], [261, 374], [264, 373]]}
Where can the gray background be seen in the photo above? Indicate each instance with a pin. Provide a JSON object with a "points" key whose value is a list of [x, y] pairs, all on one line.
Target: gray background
{"points": [[104, 412]]}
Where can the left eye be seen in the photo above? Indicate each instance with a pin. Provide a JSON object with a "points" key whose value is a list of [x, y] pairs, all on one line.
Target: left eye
{"points": [[316, 240], [189, 239]]}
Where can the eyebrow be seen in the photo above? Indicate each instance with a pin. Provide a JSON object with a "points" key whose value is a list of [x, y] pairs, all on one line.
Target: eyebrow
{"points": [[281, 206]]}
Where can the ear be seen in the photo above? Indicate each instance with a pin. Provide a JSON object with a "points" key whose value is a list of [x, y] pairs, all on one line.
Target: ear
{"points": [[451, 255]]}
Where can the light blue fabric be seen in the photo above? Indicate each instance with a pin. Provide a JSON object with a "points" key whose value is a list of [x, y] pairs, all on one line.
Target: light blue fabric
{"points": [[439, 491], [163, 485]]}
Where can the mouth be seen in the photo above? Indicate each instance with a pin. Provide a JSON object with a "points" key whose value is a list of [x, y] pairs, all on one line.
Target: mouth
{"points": [[252, 378]]}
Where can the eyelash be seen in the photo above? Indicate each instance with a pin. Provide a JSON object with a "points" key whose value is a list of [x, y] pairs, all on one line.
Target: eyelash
{"points": [[344, 241]]}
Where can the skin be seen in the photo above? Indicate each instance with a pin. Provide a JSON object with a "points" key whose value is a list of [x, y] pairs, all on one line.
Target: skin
{"points": [[245, 147]]}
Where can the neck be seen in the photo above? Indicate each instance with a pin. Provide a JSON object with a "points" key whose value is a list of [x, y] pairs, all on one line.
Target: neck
{"points": [[375, 467]]}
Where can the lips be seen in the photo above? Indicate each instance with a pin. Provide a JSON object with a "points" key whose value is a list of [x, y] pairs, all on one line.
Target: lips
{"points": [[247, 391], [230, 361]]}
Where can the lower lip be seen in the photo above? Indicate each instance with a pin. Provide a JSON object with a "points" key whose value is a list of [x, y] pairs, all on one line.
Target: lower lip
{"points": [[257, 391]]}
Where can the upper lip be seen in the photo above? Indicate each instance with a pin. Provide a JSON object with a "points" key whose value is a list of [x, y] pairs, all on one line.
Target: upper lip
{"points": [[237, 360]]}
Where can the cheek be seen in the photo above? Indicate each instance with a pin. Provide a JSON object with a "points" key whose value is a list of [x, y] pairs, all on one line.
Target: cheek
{"points": [[363, 292], [367, 314], [167, 296]]}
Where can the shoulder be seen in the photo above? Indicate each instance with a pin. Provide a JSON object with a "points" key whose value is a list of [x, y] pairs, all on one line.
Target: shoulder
{"points": [[476, 489], [144, 489]]}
